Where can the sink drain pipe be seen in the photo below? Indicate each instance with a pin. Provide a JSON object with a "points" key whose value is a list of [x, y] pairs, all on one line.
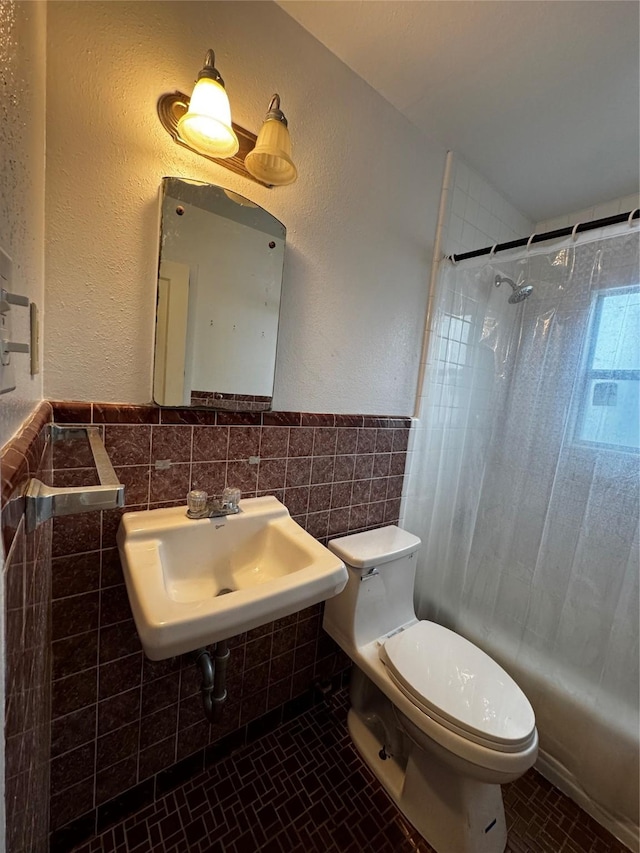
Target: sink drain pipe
{"points": [[214, 677]]}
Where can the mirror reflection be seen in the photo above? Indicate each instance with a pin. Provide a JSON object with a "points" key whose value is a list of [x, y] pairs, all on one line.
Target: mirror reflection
{"points": [[218, 299]]}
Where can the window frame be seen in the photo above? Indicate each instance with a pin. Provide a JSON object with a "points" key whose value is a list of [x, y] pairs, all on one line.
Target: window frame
{"points": [[589, 373]]}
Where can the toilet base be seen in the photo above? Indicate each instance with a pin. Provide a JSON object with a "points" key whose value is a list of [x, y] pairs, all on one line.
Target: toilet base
{"points": [[455, 814]]}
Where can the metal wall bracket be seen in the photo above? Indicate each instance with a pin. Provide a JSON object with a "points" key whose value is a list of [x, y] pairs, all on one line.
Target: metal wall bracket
{"points": [[44, 502]]}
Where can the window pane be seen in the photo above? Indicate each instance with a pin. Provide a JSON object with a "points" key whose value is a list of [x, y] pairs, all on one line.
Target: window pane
{"points": [[617, 345], [611, 412]]}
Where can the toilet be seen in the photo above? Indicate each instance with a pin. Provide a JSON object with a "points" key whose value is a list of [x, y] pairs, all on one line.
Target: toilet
{"points": [[439, 722]]}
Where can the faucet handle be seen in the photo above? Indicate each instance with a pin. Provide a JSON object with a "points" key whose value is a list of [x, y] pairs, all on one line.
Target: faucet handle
{"points": [[197, 501], [231, 498]]}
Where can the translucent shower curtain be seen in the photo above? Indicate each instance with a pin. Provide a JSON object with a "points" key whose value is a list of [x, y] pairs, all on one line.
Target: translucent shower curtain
{"points": [[524, 490]]}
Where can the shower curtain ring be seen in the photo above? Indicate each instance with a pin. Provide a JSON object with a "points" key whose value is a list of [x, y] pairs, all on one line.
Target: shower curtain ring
{"points": [[453, 259], [493, 250], [631, 215], [529, 241], [574, 233]]}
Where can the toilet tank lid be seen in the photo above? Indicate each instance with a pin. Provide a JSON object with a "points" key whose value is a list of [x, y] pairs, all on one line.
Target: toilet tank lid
{"points": [[374, 547]]}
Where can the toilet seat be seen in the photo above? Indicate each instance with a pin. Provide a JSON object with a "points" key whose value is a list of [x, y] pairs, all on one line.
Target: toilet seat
{"points": [[459, 686]]}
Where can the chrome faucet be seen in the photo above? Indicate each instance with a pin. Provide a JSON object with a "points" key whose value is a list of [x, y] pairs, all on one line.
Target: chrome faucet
{"points": [[200, 505]]}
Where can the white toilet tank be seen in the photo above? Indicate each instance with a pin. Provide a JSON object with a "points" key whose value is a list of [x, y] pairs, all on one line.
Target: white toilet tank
{"points": [[378, 596]]}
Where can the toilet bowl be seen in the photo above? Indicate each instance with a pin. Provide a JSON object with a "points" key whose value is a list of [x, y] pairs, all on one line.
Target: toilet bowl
{"points": [[439, 722]]}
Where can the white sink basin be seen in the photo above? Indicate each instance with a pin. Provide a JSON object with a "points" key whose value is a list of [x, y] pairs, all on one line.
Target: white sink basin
{"points": [[192, 583]]}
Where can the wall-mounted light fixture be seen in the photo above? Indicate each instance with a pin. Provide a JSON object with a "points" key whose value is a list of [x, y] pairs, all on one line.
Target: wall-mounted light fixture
{"points": [[206, 125], [270, 161], [203, 124]]}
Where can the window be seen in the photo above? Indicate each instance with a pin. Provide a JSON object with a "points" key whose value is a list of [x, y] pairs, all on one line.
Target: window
{"points": [[609, 413]]}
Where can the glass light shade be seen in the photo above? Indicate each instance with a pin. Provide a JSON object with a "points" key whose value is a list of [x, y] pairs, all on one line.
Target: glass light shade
{"points": [[270, 161], [206, 126]]}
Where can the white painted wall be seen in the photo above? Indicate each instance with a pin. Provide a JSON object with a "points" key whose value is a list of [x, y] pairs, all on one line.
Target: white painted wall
{"points": [[360, 219], [22, 112]]}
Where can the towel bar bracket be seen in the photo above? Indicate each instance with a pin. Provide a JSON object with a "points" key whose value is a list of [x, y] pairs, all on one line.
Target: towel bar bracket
{"points": [[44, 502]]}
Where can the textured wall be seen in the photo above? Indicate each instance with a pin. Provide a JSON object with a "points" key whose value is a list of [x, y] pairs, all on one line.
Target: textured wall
{"points": [[360, 219], [22, 110]]}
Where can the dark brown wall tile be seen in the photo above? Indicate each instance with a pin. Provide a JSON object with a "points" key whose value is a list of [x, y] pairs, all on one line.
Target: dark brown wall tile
{"points": [[170, 484], [157, 757], [65, 412], [324, 441], [118, 710], [117, 745], [340, 495], [210, 476], [75, 534], [128, 445], [74, 692], [117, 641], [72, 767], [274, 442], [366, 440], [322, 469], [111, 568], [188, 416], [363, 469], [114, 605], [397, 464], [75, 615], [301, 442], [120, 675], [281, 419], [344, 468], [116, 413], [75, 574], [296, 499], [376, 513], [171, 442], [271, 474], [116, 779], [160, 693], [75, 654], [74, 730], [243, 442], [210, 444], [317, 419], [239, 418], [70, 804], [400, 440], [360, 491], [269, 665], [158, 726], [191, 740], [242, 475]]}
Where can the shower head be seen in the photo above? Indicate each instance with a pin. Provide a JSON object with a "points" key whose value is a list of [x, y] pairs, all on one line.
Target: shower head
{"points": [[520, 292]]}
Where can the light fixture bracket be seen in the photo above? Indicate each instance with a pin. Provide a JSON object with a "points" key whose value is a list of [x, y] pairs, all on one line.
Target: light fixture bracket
{"points": [[173, 105], [209, 70], [275, 112]]}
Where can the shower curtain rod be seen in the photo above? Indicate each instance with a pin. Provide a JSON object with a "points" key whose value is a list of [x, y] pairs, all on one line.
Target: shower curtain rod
{"points": [[550, 235]]}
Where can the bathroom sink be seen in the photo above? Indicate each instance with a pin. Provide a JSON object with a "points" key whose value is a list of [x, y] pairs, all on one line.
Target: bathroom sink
{"points": [[194, 582]]}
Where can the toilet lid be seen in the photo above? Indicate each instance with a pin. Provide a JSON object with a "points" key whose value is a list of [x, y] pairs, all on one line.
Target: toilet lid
{"points": [[459, 685]]}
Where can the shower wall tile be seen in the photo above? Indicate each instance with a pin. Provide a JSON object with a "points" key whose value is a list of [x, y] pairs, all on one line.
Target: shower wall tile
{"points": [[337, 474], [27, 598], [478, 215], [598, 211]]}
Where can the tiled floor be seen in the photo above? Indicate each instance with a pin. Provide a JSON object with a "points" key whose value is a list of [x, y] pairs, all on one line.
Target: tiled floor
{"points": [[304, 788]]}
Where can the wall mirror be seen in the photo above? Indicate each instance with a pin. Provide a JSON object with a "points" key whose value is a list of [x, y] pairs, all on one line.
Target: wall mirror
{"points": [[218, 299]]}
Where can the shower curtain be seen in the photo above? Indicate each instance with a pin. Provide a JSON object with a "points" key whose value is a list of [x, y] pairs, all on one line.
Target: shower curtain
{"points": [[523, 487]]}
